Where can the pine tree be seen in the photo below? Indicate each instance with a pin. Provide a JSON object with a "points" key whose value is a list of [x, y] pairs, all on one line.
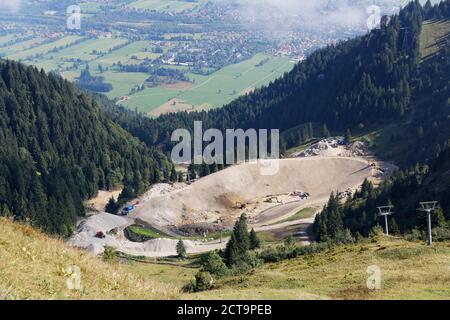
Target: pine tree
{"points": [[173, 175], [242, 236], [232, 254], [255, 243], [348, 136], [111, 206], [181, 249], [438, 218], [393, 227]]}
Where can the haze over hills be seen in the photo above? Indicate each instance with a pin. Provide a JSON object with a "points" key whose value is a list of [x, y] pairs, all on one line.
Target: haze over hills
{"points": [[166, 56]]}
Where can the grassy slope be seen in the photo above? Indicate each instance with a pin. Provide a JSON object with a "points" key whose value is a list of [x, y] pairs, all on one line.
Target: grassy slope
{"points": [[216, 89], [432, 33], [32, 266], [409, 271], [166, 5]]}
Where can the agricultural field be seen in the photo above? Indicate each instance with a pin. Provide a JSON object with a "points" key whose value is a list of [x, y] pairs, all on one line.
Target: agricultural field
{"points": [[166, 5], [45, 48], [132, 53], [19, 46], [68, 55], [213, 90], [4, 39], [90, 7], [434, 33], [87, 50]]}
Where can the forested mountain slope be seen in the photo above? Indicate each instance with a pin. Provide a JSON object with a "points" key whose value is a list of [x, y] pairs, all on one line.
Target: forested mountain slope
{"points": [[422, 139], [357, 85], [57, 149]]}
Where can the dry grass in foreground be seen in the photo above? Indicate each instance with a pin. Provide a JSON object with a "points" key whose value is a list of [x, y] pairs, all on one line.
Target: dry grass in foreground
{"points": [[34, 266], [409, 270]]}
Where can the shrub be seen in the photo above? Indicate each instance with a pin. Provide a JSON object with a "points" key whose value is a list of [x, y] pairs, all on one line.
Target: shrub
{"points": [[203, 281], [189, 287], [213, 263], [376, 231], [276, 254], [109, 254], [270, 255], [441, 233], [255, 243], [313, 248], [415, 235]]}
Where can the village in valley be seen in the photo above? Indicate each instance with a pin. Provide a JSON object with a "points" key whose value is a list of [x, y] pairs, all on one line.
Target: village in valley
{"points": [[160, 56]]}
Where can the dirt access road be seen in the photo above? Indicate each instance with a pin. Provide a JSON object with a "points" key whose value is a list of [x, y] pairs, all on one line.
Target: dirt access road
{"points": [[215, 197]]}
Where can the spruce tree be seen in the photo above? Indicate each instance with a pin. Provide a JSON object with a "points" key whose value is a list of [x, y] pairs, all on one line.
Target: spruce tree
{"points": [[255, 243], [242, 236], [111, 206], [232, 251], [181, 249]]}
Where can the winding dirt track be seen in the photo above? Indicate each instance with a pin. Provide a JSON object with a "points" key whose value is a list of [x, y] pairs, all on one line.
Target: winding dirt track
{"points": [[215, 196]]}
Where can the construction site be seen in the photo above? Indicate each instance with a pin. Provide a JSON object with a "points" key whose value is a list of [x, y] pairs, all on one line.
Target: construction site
{"points": [[202, 212]]}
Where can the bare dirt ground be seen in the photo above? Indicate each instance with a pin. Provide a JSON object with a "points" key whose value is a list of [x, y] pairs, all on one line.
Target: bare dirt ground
{"points": [[177, 105], [173, 105], [99, 202], [180, 85], [227, 194], [267, 200]]}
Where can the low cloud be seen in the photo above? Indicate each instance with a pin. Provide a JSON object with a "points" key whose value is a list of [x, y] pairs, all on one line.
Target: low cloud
{"points": [[314, 14], [10, 5]]}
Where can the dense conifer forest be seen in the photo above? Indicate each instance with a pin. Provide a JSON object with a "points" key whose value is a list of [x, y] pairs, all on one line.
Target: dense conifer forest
{"points": [[57, 149], [58, 145]]}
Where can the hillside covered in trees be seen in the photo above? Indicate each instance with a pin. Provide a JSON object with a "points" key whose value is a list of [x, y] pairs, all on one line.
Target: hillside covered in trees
{"points": [[57, 149], [374, 82], [422, 145], [353, 86], [59, 146]]}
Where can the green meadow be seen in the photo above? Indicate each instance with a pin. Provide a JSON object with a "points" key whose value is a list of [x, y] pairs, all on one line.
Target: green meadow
{"points": [[218, 88], [166, 5], [204, 92]]}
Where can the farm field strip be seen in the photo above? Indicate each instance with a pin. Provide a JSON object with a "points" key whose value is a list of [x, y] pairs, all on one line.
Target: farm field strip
{"points": [[166, 5], [206, 92], [4, 39], [21, 46], [45, 48], [216, 89], [84, 50], [125, 53]]}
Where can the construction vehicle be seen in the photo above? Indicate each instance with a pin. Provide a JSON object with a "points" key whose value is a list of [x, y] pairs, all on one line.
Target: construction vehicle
{"points": [[127, 210], [240, 205], [301, 194], [272, 199], [100, 235]]}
